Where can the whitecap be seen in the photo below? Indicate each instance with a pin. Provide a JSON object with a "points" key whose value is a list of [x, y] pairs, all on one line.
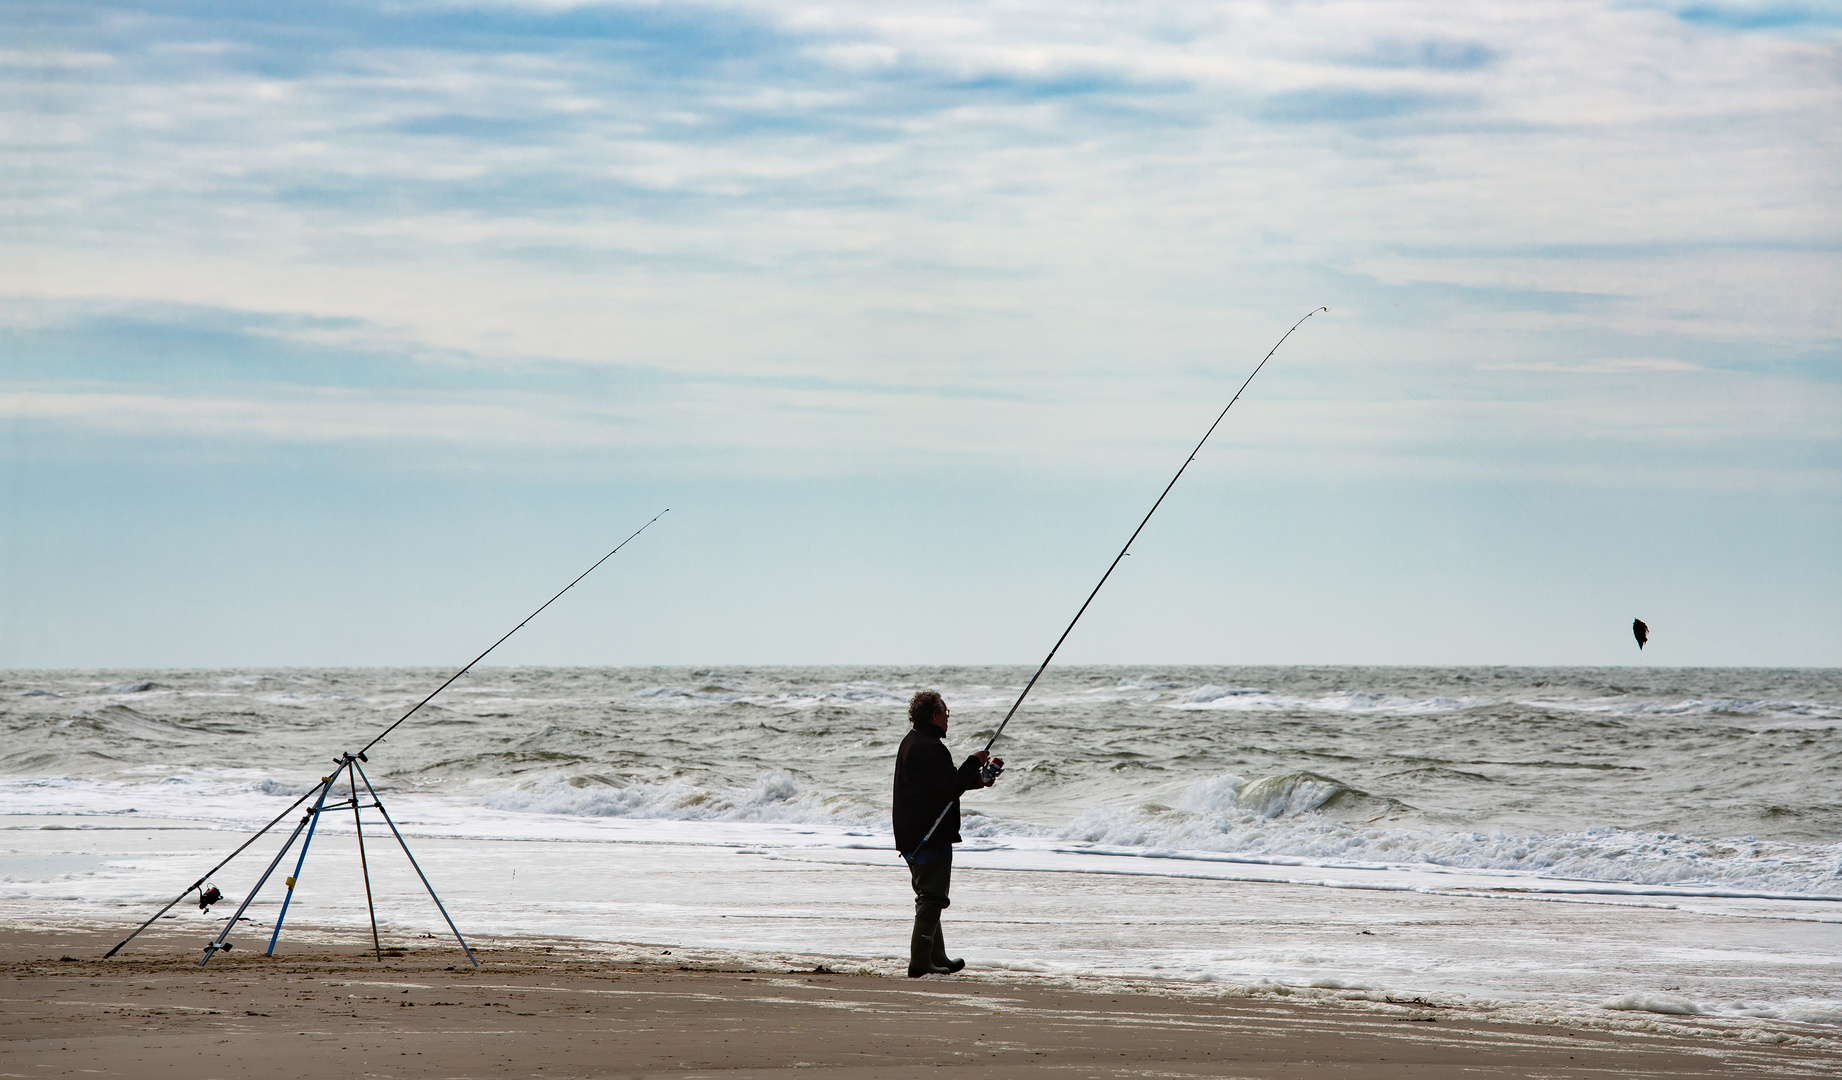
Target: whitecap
{"points": [[1667, 1004]]}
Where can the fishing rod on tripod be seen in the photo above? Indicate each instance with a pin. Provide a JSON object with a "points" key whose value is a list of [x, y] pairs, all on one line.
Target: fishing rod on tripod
{"points": [[989, 770], [348, 766], [513, 630]]}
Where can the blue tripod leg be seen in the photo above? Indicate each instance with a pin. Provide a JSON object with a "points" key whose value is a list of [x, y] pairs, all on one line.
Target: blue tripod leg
{"points": [[221, 943], [298, 863]]}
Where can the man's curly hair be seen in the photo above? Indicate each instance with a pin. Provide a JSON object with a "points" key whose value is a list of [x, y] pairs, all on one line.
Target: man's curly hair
{"points": [[924, 706]]}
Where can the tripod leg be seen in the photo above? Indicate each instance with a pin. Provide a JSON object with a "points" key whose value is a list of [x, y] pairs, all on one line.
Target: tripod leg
{"points": [[313, 822], [359, 825], [412, 862], [261, 881]]}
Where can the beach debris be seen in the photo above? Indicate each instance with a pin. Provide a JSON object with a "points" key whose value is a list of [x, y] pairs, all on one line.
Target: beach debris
{"points": [[1641, 632]]}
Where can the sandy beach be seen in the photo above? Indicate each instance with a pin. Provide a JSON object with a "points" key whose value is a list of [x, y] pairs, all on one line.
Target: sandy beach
{"points": [[571, 1009]]}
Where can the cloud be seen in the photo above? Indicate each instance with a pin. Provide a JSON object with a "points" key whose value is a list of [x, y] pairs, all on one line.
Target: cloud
{"points": [[1601, 367], [820, 207], [199, 383], [1438, 54], [1351, 105]]}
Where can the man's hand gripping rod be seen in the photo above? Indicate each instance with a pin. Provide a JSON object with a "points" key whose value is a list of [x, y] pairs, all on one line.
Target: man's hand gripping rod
{"points": [[989, 770]]}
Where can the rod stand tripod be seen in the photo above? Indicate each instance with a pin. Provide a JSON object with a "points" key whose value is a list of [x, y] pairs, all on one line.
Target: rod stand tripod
{"points": [[353, 772], [348, 766]]}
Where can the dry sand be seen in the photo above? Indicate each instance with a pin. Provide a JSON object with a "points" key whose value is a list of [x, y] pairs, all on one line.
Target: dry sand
{"points": [[322, 1009]]}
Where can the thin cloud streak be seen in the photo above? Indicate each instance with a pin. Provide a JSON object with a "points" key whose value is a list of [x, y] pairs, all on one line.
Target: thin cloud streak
{"points": [[1583, 432]]}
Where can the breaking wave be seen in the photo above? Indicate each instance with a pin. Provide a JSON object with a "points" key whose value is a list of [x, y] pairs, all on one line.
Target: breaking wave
{"points": [[1300, 817], [774, 797], [1292, 816]]}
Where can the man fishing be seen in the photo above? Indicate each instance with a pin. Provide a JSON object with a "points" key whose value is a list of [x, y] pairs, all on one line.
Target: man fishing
{"points": [[926, 783], [927, 786]]}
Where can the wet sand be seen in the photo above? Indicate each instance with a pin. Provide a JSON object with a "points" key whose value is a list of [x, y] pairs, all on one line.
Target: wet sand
{"points": [[324, 1009]]}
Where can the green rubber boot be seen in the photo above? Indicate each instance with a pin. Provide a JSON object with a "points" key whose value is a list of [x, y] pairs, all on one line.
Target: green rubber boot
{"points": [[938, 956], [921, 946]]}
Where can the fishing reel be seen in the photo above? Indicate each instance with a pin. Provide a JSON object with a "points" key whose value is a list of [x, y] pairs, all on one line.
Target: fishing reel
{"points": [[991, 770], [209, 896]]}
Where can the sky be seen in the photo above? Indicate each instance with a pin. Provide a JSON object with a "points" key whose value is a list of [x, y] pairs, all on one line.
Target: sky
{"points": [[346, 333]]}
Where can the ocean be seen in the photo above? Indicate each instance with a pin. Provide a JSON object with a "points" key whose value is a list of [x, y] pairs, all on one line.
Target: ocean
{"points": [[1631, 841]]}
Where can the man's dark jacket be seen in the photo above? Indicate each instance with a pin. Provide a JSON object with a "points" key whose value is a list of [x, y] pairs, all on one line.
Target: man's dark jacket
{"points": [[925, 781]]}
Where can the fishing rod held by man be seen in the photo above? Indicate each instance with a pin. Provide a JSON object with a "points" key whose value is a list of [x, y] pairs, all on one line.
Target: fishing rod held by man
{"points": [[1124, 551]]}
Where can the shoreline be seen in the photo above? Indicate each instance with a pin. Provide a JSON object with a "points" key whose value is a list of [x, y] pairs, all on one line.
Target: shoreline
{"points": [[744, 890], [562, 1007]]}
